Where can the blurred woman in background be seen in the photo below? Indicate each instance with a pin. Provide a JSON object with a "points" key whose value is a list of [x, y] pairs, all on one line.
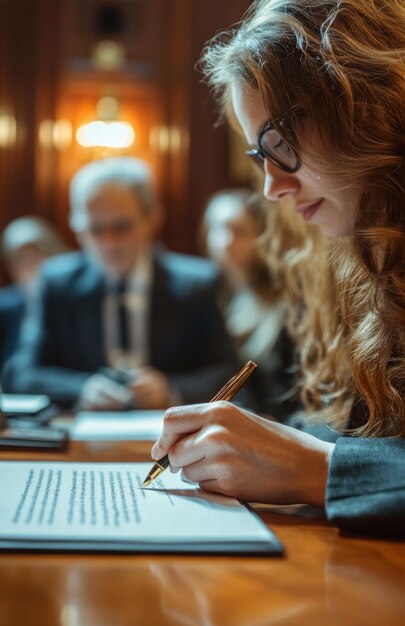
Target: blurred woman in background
{"points": [[254, 307]]}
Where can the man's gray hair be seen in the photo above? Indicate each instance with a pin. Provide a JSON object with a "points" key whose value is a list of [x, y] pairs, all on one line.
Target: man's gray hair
{"points": [[126, 171]]}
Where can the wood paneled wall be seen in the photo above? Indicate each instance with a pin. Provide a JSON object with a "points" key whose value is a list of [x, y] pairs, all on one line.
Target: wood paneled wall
{"points": [[45, 50]]}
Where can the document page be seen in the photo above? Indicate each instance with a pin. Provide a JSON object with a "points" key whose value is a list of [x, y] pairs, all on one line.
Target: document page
{"points": [[122, 426], [105, 502]]}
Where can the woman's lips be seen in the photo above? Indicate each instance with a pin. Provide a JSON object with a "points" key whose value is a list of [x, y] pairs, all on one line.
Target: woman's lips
{"points": [[309, 209]]}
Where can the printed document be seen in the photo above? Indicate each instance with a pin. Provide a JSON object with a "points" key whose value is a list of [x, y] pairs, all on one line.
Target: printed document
{"points": [[96, 506]]}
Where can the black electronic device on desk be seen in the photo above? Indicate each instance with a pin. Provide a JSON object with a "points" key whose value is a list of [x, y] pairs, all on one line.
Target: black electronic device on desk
{"points": [[25, 434], [27, 410], [23, 423]]}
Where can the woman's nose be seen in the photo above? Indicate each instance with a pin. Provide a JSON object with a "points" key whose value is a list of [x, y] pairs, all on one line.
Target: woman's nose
{"points": [[277, 183]]}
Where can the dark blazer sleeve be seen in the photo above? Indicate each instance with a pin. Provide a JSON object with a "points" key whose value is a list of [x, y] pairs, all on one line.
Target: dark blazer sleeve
{"points": [[33, 367], [366, 486]]}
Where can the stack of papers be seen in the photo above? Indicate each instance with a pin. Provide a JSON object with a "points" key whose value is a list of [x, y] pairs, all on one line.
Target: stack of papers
{"points": [[103, 507], [122, 426]]}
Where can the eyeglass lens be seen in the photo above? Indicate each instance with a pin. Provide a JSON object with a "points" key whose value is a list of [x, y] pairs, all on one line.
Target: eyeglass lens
{"points": [[273, 146]]}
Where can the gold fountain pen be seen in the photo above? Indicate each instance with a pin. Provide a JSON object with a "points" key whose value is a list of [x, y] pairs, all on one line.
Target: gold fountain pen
{"points": [[226, 393]]}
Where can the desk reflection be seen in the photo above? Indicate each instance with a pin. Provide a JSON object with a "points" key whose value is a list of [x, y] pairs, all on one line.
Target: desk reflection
{"points": [[249, 594], [363, 587]]}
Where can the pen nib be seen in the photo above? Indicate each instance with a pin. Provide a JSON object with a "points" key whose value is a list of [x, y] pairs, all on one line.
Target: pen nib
{"points": [[146, 482]]}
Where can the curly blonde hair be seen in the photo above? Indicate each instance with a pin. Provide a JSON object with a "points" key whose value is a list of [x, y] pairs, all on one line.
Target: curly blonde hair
{"points": [[341, 62]]}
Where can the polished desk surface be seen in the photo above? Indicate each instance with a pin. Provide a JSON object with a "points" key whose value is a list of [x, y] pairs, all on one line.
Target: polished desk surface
{"points": [[324, 579]]}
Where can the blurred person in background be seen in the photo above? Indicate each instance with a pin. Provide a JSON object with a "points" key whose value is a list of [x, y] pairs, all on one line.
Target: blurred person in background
{"points": [[233, 233], [124, 323], [25, 244]]}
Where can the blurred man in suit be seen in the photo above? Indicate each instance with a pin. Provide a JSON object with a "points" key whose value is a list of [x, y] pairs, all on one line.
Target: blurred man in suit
{"points": [[124, 303]]}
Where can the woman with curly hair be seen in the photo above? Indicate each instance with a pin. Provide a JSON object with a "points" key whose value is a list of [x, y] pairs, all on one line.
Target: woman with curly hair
{"points": [[318, 90]]}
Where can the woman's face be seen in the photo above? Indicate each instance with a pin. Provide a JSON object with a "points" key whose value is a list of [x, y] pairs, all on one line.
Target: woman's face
{"points": [[317, 198]]}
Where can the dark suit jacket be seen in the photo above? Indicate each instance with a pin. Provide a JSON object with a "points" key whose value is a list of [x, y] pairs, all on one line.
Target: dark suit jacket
{"points": [[12, 308], [366, 481], [62, 338], [366, 486]]}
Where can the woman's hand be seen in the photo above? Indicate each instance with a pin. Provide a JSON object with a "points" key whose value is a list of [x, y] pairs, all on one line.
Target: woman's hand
{"points": [[237, 453]]}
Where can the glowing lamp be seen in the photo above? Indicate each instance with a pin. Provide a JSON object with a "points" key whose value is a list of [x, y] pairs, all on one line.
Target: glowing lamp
{"points": [[100, 134]]}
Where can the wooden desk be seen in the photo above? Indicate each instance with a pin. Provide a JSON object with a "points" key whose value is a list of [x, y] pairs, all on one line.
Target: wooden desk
{"points": [[325, 579]]}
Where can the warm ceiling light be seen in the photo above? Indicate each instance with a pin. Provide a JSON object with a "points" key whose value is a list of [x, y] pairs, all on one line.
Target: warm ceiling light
{"points": [[106, 135]]}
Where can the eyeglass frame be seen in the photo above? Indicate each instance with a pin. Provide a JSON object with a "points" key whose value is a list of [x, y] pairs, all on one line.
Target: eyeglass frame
{"points": [[259, 154]]}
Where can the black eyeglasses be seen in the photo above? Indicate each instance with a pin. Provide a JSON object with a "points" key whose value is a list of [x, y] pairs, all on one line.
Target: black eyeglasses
{"points": [[272, 146]]}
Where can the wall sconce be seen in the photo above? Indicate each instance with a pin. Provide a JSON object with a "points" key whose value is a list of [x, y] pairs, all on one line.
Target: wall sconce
{"points": [[99, 134], [168, 139], [107, 132], [8, 131], [55, 134]]}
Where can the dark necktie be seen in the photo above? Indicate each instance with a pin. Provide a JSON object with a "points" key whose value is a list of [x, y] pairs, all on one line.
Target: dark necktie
{"points": [[123, 326]]}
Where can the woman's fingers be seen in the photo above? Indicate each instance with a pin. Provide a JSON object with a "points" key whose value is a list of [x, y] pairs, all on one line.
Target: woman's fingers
{"points": [[200, 471], [178, 422], [186, 451], [210, 441], [184, 420]]}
